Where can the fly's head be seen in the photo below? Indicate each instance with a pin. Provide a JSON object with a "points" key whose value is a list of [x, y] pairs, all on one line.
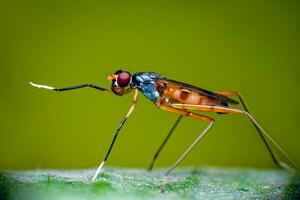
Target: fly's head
{"points": [[120, 82]]}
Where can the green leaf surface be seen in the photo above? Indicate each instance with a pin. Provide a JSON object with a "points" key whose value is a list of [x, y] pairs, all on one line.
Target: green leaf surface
{"points": [[120, 183]]}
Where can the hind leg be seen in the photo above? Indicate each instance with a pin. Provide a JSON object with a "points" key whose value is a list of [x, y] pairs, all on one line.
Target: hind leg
{"points": [[263, 134]]}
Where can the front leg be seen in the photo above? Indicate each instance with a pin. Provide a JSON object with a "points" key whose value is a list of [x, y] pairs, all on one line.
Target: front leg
{"points": [[70, 88], [116, 134]]}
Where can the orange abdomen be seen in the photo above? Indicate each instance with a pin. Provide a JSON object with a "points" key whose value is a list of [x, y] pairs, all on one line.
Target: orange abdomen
{"points": [[189, 97]]}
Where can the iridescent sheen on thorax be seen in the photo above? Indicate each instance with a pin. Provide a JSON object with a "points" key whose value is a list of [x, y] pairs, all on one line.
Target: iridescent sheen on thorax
{"points": [[145, 82]]}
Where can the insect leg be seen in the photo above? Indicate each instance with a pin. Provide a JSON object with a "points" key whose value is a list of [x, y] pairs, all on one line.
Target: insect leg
{"points": [[233, 94], [116, 134], [70, 88], [256, 124], [164, 142], [192, 115]]}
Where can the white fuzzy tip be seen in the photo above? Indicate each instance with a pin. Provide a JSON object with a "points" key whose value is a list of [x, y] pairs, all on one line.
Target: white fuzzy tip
{"points": [[98, 171], [42, 86]]}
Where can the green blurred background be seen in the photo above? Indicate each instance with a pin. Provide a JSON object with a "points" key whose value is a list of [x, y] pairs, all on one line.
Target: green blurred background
{"points": [[249, 46]]}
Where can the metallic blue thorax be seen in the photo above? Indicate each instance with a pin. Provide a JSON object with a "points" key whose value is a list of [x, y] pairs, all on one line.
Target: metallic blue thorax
{"points": [[145, 82]]}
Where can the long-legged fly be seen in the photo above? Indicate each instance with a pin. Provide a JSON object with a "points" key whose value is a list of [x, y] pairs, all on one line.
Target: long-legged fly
{"points": [[180, 98]]}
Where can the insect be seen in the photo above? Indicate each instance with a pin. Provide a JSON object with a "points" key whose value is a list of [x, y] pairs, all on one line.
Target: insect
{"points": [[182, 99]]}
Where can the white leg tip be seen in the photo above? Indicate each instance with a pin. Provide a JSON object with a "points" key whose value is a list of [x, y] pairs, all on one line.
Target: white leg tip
{"points": [[98, 171], [42, 86]]}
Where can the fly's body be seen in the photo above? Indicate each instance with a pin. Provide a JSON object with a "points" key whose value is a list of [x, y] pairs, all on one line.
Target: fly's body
{"points": [[159, 90], [184, 100]]}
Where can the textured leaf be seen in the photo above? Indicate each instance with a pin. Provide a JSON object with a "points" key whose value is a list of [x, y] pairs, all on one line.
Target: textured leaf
{"points": [[119, 183]]}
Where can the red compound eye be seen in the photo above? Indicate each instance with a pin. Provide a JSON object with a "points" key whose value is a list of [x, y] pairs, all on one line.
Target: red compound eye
{"points": [[123, 79]]}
